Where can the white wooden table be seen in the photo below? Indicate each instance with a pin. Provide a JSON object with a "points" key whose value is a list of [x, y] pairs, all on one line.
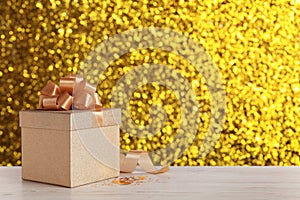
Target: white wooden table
{"points": [[179, 183]]}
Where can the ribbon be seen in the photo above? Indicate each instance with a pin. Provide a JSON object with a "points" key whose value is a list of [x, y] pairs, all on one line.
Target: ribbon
{"points": [[133, 158], [73, 92]]}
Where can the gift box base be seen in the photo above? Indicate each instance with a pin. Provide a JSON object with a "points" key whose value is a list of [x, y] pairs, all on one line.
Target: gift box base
{"points": [[70, 158]]}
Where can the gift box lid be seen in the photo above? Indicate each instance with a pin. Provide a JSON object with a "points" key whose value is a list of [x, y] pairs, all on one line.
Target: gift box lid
{"points": [[69, 120]]}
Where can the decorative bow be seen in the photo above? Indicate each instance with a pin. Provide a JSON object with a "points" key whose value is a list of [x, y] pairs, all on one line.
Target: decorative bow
{"points": [[73, 92]]}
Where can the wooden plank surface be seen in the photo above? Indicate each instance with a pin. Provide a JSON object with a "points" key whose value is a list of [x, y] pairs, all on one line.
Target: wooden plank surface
{"points": [[232, 183]]}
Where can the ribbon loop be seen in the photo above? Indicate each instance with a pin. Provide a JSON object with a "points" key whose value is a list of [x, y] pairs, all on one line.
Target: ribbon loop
{"points": [[84, 101], [65, 101], [84, 86], [49, 102], [51, 89], [97, 100], [67, 84]]}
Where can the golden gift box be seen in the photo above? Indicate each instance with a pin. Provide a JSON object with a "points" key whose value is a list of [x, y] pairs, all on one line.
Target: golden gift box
{"points": [[70, 148]]}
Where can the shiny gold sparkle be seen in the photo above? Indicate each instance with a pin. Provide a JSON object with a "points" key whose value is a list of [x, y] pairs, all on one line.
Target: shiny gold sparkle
{"points": [[255, 45]]}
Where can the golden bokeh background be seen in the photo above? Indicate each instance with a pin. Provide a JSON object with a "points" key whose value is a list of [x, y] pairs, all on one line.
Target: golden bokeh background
{"points": [[255, 45]]}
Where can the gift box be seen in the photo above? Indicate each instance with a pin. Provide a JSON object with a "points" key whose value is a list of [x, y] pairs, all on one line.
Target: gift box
{"points": [[70, 148]]}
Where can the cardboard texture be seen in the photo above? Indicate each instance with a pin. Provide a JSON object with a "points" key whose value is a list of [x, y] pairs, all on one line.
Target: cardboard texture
{"points": [[70, 148]]}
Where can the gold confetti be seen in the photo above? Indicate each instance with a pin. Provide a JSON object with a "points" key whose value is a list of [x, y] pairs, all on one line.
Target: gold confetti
{"points": [[128, 180]]}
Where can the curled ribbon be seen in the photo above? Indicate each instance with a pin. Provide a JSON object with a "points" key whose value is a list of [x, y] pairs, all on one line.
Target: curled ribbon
{"points": [[133, 158], [73, 92]]}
